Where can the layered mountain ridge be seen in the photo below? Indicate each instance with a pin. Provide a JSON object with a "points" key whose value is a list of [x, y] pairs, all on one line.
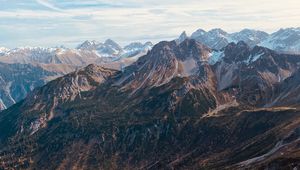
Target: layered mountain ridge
{"points": [[180, 106], [61, 60], [283, 41], [56, 62]]}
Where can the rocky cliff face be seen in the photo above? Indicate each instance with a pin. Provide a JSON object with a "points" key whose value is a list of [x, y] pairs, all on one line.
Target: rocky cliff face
{"points": [[181, 106], [286, 93]]}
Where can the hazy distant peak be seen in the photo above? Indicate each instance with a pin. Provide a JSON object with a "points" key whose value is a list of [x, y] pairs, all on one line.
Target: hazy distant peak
{"points": [[3, 50], [112, 43], [183, 36], [218, 31], [87, 44]]}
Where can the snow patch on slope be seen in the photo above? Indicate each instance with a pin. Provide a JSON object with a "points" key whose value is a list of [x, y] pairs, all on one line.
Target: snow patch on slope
{"points": [[3, 50], [2, 105], [253, 58]]}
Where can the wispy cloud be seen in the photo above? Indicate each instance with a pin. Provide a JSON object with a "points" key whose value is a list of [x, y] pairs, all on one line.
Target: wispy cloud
{"points": [[129, 20], [49, 5]]}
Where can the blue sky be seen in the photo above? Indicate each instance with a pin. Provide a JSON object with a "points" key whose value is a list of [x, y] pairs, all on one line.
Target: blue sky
{"points": [[70, 22]]}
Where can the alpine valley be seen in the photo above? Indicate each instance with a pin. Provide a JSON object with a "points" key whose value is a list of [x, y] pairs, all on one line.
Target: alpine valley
{"points": [[213, 100]]}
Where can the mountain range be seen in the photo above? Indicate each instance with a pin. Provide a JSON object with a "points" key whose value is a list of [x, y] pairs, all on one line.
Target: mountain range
{"points": [[284, 40], [182, 105], [23, 69], [58, 61]]}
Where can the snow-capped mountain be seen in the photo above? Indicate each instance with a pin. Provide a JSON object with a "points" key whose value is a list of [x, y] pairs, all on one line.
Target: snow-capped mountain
{"points": [[284, 40], [218, 38], [215, 38], [135, 50], [88, 45], [44, 64], [39, 55], [111, 49], [86, 53], [107, 49], [251, 37], [3, 50], [138, 46], [24, 69]]}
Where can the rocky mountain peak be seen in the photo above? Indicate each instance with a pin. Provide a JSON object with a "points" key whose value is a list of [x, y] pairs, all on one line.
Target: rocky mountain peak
{"points": [[182, 37], [149, 43], [87, 45], [242, 44], [186, 49], [250, 36], [166, 61], [138, 46], [113, 44], [218, 32], [238, 45], [134, 45], [248, 31], [287, 31], [215, 38], [199, 32], [237, 52], [194, 49]]}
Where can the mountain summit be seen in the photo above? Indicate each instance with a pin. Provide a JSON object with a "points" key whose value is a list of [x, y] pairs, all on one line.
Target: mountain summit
{"points": [[182, 37], [283, 40]]}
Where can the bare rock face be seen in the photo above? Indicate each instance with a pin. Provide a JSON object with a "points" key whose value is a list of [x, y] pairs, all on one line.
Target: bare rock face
{"points": [[181, 106], [253, 72], [66, 89], [286, 92]]}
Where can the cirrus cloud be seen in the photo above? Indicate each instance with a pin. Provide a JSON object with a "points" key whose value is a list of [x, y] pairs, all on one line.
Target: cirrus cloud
{"points": [[71, 22]]}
